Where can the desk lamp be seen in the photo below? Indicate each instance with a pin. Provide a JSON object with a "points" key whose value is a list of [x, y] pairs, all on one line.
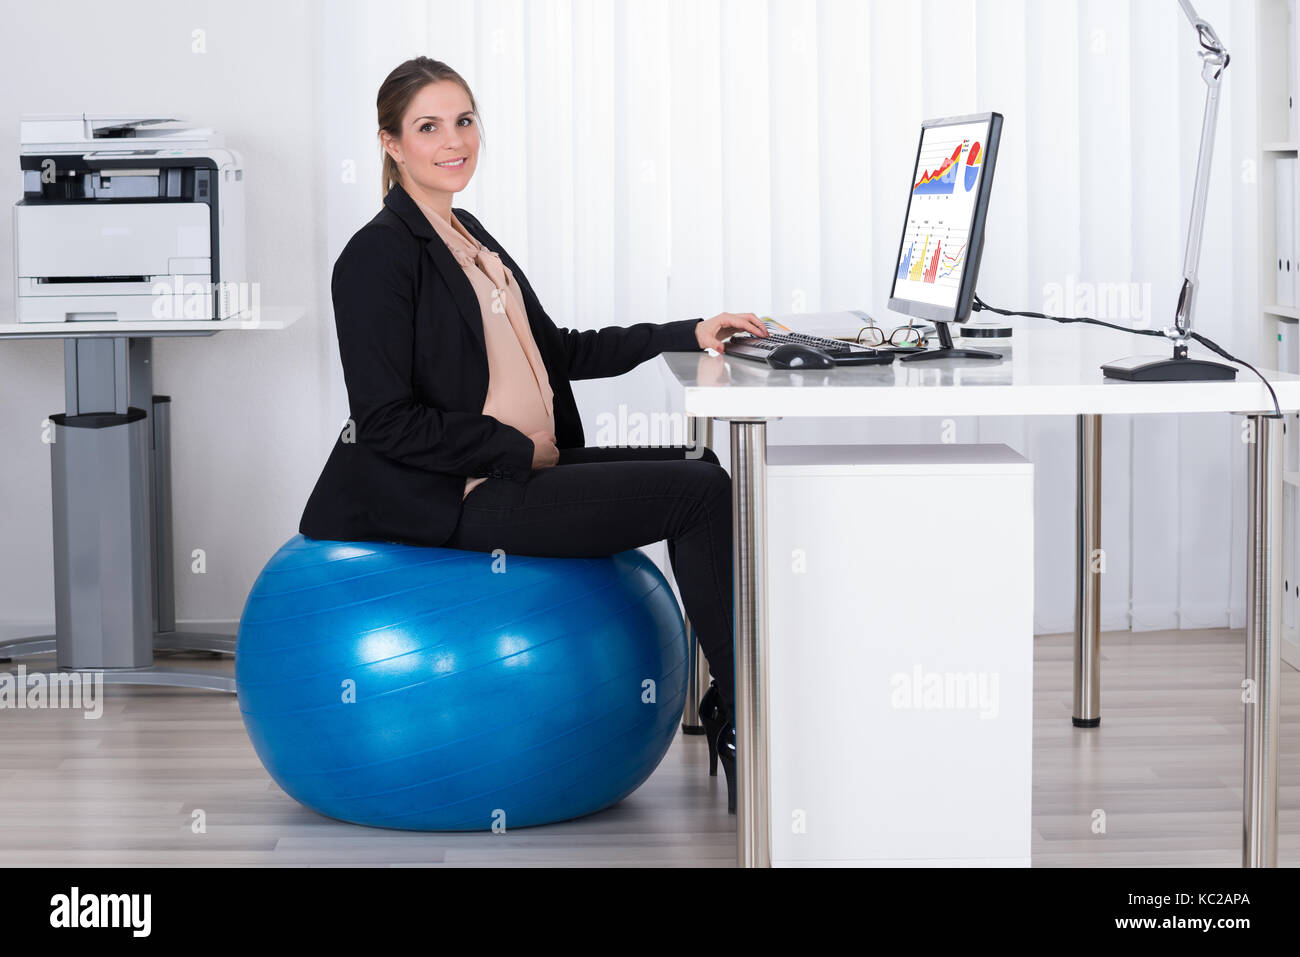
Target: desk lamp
{"points": [[1214, 60]]}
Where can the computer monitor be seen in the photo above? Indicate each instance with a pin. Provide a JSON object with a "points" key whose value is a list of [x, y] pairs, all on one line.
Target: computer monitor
{"points": [[943, 230]]}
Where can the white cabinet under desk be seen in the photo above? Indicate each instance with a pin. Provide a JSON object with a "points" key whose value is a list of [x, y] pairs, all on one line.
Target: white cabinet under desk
{"points": [[900, 676]]}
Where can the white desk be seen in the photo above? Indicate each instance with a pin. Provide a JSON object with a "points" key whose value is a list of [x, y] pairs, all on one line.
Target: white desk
{"points": [[114, 594], [1048, 371]]}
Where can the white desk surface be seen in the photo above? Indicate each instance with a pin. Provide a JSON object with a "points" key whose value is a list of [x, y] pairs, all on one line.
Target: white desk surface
{"points": [[1046, 371], [270, 317]]}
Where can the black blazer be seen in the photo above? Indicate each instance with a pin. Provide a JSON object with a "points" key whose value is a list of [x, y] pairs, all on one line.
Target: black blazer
{"points": [[415, 364]]}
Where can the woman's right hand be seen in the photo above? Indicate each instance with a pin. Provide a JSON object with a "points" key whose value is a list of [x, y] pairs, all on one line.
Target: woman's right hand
{"points": [[545, 454]]}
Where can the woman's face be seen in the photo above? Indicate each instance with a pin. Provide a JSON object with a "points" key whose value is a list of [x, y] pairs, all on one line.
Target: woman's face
{"points": [[439, 128]]}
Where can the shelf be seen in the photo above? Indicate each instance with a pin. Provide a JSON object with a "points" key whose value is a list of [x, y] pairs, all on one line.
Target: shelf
{"points": [[1276, 33], [272, 317]]}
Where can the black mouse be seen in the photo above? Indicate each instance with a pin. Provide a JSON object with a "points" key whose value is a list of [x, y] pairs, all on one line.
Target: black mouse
{"points": [[796, 355]]}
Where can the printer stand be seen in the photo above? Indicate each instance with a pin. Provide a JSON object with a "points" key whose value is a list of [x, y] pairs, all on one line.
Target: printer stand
{"points": [[114, 595]]}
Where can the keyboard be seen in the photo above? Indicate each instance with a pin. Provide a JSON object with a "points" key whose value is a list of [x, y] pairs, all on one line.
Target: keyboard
{"points": [[746, 346]]}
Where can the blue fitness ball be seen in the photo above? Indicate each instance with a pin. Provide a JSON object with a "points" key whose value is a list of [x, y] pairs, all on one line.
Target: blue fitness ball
{"points": [[447, 690]]}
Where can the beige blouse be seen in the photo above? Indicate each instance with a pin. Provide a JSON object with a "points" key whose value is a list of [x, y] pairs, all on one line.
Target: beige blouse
{"points": [[519, 391]]}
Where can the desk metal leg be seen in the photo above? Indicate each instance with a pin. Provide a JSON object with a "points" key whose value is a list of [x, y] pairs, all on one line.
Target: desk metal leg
{"points": [[194, 641], [749, 555], [1087, 589], [166, 637], [696, 682], [699, 434], [158, 675], [22, 647], [160, 475], [1263, 657], [111, 491]]}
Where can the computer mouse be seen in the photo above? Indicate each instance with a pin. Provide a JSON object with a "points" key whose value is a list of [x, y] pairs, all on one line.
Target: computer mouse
{"points": [[796, 355]]}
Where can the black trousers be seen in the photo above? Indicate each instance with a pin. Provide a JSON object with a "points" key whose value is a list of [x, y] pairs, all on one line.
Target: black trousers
{"points": [[598, 501]]}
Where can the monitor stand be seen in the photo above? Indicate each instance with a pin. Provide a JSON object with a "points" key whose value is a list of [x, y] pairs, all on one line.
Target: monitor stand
{"points": [[946, 350]]}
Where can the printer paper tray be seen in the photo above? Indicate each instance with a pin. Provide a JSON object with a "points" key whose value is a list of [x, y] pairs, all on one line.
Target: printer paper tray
{"points": [[117, 307], [108, 239]]}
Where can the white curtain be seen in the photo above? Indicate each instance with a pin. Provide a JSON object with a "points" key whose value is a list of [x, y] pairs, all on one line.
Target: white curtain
{"points": [[651, 160]]}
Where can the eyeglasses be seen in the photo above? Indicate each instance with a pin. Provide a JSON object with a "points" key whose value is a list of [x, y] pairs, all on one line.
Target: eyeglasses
{"points": [[908, 336]]}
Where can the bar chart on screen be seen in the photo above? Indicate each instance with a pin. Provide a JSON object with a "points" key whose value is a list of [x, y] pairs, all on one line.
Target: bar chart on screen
{"points": [[934, 253]]}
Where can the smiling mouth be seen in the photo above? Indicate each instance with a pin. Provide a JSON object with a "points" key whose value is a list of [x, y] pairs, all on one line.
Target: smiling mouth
{"points": [[452, 164]]}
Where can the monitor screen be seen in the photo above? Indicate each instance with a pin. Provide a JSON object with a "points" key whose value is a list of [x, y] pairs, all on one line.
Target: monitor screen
{"points": [[943, 231]]}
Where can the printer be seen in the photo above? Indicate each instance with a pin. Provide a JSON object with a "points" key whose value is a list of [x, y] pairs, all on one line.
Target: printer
{"points": [[127, 218]]}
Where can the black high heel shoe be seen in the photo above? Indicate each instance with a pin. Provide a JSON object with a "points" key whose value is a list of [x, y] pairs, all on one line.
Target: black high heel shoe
{"points": [[721, 733]]}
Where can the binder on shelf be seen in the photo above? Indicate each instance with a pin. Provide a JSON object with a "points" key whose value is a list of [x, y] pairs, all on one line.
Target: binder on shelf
{"points": [[1291, 546], [1285, 168], [1291, 442], [1292, 169], [1288, 360], [1288, 555], [1291, 68]]}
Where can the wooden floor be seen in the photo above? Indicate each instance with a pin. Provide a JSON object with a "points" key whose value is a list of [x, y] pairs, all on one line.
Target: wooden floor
{"points": [[1164, 767]]}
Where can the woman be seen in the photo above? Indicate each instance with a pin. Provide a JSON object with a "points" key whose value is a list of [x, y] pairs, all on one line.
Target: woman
{"points": [[464, 432]]}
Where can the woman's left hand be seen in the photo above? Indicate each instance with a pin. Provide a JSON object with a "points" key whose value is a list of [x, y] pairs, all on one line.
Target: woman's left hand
{"points": [[709, 333]]}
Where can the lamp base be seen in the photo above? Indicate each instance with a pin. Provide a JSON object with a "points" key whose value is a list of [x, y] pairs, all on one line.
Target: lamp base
{"points": [[1156, 369]]}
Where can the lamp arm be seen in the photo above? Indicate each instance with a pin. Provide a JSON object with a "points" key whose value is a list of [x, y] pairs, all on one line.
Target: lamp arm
{"points": [[1214, 60]]}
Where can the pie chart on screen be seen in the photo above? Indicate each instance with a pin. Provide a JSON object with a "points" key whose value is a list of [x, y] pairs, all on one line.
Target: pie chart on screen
{"points": [[973, 160]]}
